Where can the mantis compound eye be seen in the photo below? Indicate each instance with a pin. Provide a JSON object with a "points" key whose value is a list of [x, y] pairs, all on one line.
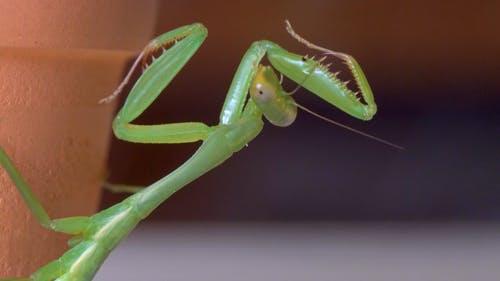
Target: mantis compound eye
{"points": [[261, 92], [270, 98]]}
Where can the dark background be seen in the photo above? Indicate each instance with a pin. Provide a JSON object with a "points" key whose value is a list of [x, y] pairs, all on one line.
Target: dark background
{"points": [[434, 70]]}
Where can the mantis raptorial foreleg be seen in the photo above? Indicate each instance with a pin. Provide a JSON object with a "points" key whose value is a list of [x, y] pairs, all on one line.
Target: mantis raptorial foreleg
{"points": [[150, 85], [255, 92]]}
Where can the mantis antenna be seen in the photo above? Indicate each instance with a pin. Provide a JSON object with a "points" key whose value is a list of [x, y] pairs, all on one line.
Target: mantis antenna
{"points": [[348, 128]]}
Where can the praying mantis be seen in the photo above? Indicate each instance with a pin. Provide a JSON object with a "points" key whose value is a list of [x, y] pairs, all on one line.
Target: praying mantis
{"points": [[255, 92]]}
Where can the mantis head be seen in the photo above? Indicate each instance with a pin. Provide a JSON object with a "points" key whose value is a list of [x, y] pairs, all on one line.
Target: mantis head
{"points": [[277, 106]]}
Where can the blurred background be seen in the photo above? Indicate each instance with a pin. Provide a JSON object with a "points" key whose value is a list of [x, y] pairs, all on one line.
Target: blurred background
{"points": [[433, 67]]}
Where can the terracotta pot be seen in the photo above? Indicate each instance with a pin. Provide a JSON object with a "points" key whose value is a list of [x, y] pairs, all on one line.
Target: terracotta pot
{"points": [[57, 59]]}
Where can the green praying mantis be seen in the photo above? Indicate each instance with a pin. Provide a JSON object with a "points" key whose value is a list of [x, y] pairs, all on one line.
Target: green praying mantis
{"points": [[241, 121]]}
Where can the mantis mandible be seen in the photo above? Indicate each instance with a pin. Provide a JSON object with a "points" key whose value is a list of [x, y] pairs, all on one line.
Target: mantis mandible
{"points": [[241, 121]]}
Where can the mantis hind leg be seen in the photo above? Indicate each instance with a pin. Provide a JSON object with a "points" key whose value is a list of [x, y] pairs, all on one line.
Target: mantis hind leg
{"points": [[70, 225]]}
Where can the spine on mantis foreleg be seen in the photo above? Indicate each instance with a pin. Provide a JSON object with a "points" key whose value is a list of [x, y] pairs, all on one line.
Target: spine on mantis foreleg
{"points": [[318, 79]]}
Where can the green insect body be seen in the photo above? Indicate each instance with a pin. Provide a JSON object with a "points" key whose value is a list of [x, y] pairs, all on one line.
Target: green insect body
{"points": [[240, 122]]}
